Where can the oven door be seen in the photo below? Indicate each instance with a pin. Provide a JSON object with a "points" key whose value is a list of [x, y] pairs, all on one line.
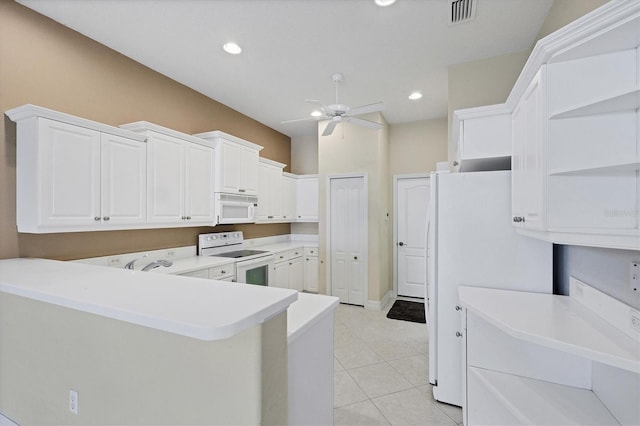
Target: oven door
{"points": [[254, 271]]}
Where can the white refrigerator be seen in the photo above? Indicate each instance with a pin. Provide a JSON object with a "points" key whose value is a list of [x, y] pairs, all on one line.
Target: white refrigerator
{"points": [[471, 241]]}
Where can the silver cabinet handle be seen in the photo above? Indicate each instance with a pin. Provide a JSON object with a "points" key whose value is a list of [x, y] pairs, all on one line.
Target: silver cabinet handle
{"points": [[458, 308], [400, 243], [188, 217], [97, 218], [518, 219], [455, 163], [106, 218], [242, 190], [458, 334], [355, 257], [223, 272]]}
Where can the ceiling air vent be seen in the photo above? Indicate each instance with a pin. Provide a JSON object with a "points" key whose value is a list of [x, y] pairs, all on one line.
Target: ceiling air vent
{"points": [[461, 11]]}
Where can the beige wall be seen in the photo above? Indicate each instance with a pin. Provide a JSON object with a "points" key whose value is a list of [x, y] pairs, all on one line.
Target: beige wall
{"points": [[565, 11], [416, 147], [354, 149], [304, 155], [44, 63]]}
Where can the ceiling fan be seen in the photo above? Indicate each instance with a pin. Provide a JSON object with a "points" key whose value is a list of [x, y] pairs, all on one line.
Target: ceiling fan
{"points": [[339, 113]]}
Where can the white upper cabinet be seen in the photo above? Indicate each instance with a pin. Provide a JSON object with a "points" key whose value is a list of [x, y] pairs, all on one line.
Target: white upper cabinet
{"points": [[575, 130], [483, 138], [75, 174], [270, 192], [307, 198], [180, 177], [236, 163], [289, 195]]}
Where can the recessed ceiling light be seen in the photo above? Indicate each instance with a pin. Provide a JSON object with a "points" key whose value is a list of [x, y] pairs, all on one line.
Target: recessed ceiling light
{"points": [[316, 113], [415, 96], [232, 48], [384, 3]]}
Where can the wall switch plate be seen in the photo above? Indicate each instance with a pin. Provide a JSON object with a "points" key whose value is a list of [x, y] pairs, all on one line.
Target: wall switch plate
{"points": [[170, 253], [114, 261], [73, 401], [634, 276]]}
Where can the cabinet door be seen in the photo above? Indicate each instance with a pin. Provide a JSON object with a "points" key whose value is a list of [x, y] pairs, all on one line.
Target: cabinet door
{"points": [[533, 170], [165, 179], [296, 274], [528, 170], [288, 198], [249, 171], [230, 167], [70, 174], [199, 184], [263, 192], [307, 199], [311, 273], [280, 275], [124, 180]]}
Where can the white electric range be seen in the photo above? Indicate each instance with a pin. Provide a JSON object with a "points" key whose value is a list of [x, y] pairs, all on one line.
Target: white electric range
{"points": [[252, 266]]}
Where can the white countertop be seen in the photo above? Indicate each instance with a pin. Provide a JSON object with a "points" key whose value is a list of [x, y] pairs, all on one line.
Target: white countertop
{"points": [[307, 311], [194, 263], [557, 322], [192, 307]]}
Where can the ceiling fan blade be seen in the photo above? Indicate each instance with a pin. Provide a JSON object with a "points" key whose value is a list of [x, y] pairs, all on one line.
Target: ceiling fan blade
{"points": [[322, 106], [365, 123], [366, 109], [298, 120], [329, 129]]}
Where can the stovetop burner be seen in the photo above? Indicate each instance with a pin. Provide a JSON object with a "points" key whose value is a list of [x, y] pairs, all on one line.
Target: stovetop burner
{"points": [[240, 253]]}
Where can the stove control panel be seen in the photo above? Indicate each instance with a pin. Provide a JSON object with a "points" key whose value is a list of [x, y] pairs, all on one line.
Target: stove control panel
{"points": [[219, 239]]}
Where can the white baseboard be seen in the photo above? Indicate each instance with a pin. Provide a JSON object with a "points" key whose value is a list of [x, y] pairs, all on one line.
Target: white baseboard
{"points": [[375, 305]]}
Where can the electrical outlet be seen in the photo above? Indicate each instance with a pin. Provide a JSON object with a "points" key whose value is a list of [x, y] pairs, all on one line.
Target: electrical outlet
{"points": [[170, 253], [73, 401], [634, 276], [635, 320], [114, 261]]}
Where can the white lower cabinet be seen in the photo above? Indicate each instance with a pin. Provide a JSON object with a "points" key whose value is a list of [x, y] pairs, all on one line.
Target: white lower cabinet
{"points": [[538, 359], [76, 175], [311, 269], [287, 271], [224, 272]]}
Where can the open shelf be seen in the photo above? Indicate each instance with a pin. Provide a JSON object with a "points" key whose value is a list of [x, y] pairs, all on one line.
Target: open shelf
{"points": [[610, 170], [558, 322], [622, 102], [535, 402]]}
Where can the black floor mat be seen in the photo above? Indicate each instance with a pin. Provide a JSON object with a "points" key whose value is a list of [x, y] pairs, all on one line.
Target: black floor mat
{"points": [[407, 311]]}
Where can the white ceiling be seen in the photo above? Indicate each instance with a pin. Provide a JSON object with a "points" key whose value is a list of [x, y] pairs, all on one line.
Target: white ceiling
{"points": [[292, 47]]}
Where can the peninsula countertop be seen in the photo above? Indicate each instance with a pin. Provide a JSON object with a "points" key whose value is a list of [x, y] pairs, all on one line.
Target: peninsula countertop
{"points": [[192, 307]]}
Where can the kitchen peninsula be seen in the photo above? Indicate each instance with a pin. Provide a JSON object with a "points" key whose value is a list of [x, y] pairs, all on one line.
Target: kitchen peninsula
{"points": [[139, 348]]}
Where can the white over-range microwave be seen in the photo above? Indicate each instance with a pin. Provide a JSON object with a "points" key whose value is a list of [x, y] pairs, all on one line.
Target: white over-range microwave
{"points": [[235, 208]]}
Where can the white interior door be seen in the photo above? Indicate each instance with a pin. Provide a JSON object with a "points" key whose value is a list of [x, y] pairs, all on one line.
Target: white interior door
{"points": [[411, 235], [348, 227]]}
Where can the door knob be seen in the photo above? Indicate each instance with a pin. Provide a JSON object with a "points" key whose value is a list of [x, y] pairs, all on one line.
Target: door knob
{"points": [[355, 257], [400, 243]]}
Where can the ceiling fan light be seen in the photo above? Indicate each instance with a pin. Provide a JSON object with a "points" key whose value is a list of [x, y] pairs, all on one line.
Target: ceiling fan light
{"points": [[384, 3], [415, 96], [232, 48], [316, 113]]}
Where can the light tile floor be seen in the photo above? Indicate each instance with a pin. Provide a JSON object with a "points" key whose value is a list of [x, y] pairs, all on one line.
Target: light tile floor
{"points": [[381, 372]]}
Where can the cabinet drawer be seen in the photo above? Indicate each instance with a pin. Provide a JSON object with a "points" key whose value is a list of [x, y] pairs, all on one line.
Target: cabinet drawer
{"points": [[311, 251], [225, 270], [288, 254], [200, 273]]}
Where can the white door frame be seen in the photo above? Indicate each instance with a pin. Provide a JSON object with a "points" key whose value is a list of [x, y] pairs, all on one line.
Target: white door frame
{"points": [[395, 224], [365, 176]]}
